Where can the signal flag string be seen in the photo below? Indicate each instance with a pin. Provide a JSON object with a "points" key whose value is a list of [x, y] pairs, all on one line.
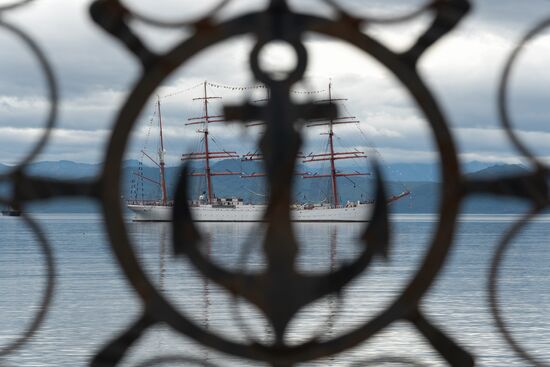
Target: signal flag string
{"points": [[182, 91], [260, 86], [151, 120], [239, 88], [235, 87]]}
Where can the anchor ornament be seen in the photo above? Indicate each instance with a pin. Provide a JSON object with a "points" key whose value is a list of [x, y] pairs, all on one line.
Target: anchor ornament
{"points": [[280, 291]]}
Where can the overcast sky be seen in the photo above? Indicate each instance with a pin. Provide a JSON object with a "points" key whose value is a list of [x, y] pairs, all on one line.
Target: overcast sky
{"points": [[95, 74]]}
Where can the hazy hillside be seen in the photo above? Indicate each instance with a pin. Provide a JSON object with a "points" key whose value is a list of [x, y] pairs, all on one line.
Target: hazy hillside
{"points": [[500, 170], [425, 196], [492, 204], [424, 187], [425, 172]]}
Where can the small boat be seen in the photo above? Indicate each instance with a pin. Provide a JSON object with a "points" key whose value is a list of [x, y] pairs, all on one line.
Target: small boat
{"points": [[11, 212]]}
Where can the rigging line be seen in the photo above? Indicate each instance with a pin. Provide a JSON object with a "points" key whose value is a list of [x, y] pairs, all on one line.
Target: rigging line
{"points": [[215, 103], [339, 142], [371, 145], [252, 192], [222, 149], [354, 160], [350, 180], [216, 142], [367, 140], [324, 185], [182, 91], [142, 152], [345, 107], [212, 137], [151, 120], [379, 155], [194, 145]]}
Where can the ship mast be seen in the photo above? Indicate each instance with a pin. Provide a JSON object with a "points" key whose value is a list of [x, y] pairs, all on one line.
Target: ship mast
{"points": [[331, 144], [208, 155], [206, 151], [162, 163], [333, 156]]}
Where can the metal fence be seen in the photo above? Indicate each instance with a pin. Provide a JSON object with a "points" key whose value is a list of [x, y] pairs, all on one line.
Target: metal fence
{"points": [[281, 291]]}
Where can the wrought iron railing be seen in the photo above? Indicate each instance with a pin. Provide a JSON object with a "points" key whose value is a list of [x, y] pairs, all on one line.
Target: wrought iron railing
{"points": [[280, 291]]}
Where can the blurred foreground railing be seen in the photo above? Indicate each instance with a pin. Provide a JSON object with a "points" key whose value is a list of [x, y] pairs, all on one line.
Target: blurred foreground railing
{"points": [[280, 291]]}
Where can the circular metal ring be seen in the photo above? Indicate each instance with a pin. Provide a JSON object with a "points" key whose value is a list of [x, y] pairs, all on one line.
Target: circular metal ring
{"points": [[180, 360], [237, 310], [410, 297], [246, 330], [382, 360], [492, 283], [14, 4], [174, 24], [429, 4], [245, 252], [293, 76], [48, 292], [52, 94], [503, 92], [505, 243]]}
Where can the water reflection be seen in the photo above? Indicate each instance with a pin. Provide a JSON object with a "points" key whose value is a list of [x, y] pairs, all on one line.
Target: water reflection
{"points": [[239, 248], [164, 257], [332, 299], [94, 299], [162, 254], [206, 298]]}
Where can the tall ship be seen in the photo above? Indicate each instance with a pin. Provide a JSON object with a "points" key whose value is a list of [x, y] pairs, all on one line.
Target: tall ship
{"points": [[208, 207]]}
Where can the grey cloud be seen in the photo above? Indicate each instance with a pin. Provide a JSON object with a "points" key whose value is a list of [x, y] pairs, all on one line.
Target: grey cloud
{"points": [[96, 73]]}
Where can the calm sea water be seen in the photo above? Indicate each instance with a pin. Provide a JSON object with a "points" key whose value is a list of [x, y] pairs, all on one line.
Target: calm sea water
{"points": [[93, 302]]}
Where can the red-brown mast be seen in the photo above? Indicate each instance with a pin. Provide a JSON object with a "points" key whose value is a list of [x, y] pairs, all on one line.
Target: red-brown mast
{"points": [[206, 151], [333, 156], [161, 154], [207, 155], [331, 144]]}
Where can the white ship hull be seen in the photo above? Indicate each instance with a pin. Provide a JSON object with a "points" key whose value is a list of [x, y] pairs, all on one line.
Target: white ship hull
{"points": [[252, 213]]}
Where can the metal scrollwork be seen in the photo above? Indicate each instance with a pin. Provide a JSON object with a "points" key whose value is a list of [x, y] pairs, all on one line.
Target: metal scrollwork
{"points": [[281, 281], [14, 4], [280, 291], [15, 173], [51, 87], [174, 24], [532, 187], [388, 361], [47, 295], [427, 6]]}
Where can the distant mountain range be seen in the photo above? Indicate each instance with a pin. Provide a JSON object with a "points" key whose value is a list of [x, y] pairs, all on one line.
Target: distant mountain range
{"points": [[422, 179], [417, 172]]}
